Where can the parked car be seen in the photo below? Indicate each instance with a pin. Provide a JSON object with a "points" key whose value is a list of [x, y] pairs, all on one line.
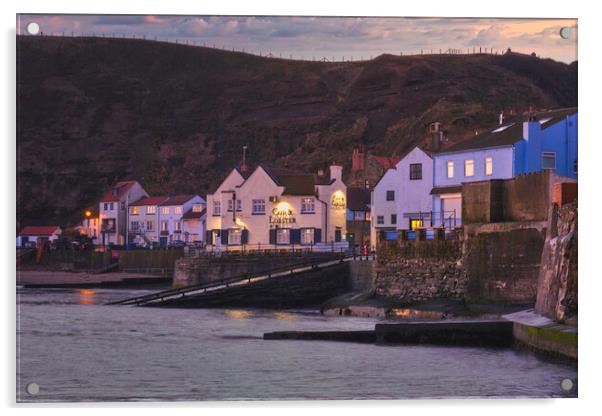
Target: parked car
{"points": [[176, 244]]}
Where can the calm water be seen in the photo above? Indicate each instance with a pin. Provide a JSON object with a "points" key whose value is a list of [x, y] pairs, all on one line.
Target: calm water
{"points": [[77, 349]]}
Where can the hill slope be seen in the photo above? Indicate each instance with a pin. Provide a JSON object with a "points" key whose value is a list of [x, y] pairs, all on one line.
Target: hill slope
{"points": [[94, 111]]}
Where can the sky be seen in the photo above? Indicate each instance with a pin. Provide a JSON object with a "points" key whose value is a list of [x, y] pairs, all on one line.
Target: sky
{"points": [[348, 38]]}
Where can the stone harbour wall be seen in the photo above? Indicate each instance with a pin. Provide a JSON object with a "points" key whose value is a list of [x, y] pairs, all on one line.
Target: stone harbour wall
{"points": [[414, 279]]}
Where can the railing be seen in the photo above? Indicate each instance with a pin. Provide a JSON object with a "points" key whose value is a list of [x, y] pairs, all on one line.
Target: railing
{"points": [[246, 278]]}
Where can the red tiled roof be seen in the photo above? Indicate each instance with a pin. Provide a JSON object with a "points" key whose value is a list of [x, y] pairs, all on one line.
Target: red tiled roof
{"points": [[177, 200], [151, 200], [39, 230], [386, 162], [117, 191]]}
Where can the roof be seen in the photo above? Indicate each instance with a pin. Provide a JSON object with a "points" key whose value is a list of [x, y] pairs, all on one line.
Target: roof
{"points": [[193, 215], [177, 200], [294, 183], [40, 230], [510, 132], [117, 191], [358, 199], [455, 189], [386, 162], [152, 200]]}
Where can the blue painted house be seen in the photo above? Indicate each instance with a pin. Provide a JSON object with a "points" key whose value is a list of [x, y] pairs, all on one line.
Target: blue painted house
{"points": [[543, 140]]}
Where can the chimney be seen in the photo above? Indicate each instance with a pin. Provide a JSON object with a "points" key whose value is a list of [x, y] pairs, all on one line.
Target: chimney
{"points": [[501, 118], [336, 172], [358, 159], [436, 141]]}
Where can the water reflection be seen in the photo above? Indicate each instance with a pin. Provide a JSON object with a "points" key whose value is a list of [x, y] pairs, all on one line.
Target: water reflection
{"points": [[407, 313], [238, 314], [287, 316], [85, 297]]}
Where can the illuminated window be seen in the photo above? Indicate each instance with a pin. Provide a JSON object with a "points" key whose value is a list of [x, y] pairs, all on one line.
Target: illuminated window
{"points": [[548, 160], [307, 236], [177, 226], [165, 210], [177, 210], [197, 207], [308, 206], [283, 236], [151, 209], [135, 210], [469, 167], [414, 224], [234, 236], [217, 208], [164, 225], [450, 169], [488, 166]]}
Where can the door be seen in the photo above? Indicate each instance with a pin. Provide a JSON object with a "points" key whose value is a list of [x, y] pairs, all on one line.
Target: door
{"points": [[415, 223], [163, 242]]}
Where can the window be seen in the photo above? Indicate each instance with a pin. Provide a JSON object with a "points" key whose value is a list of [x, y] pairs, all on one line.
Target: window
{"points": [[488, 166], [197, 207], [450, 169], [380, 219], [149, 226], [258, 206], [134, 225], [548, 160], [359, 216], [105, 206], [238, 205], [234, 236], [283, 236], [469, 167], [122, 205], [414, 223], [135, 210], [178, 226], [390, 195], [165, 210], [151, 209], [217, 208], [230, 205], [111, 206], [308, 206], [164, 226], [575, 166], [415, 171], [177, 210], [393, 218], [307, 236]]}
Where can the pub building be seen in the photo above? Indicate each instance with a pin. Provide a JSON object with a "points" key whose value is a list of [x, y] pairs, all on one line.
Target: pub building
{"points": [[277, 208]]}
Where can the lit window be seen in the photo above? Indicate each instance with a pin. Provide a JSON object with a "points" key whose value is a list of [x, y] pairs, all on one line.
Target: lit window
{"points": [[469, 167], [217, 208], [308, 206], [415, 171], [359, 215], [164, 226], [548, 160], [390, 195], [283, 236], [380, 219], [234, 236], [307, 236], [177, 210], [258, 206], [197, 207], [450, 169], [165, 210], [151, 209], [488, 166], [178, 226], [135, 210]]}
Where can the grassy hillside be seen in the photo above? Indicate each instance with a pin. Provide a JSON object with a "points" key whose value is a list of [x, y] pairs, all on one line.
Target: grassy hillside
{"points": [[93, 111]]}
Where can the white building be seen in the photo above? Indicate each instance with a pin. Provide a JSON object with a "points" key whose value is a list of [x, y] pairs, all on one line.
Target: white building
{"points": [[144, 220], [275, 208], [171, 222], [30, 235], [113, 210], [401, 199], [194, 223]]}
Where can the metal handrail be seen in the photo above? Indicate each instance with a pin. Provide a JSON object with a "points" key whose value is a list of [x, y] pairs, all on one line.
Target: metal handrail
{"points": [[235, 279]]}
